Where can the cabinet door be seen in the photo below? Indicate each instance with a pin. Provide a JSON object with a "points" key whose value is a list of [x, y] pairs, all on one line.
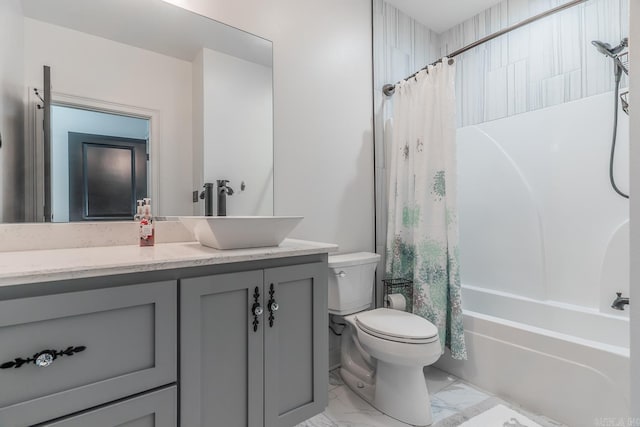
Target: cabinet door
{"points": [[155, 409], [296, 344], [221, 353]]}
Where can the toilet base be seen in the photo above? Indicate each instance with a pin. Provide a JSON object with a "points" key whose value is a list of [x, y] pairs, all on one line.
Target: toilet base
{"points": [[399, 392], [361, 388]]}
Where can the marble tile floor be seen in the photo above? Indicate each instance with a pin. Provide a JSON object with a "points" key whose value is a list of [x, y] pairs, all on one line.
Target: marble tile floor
{"points": [[453, 402]]}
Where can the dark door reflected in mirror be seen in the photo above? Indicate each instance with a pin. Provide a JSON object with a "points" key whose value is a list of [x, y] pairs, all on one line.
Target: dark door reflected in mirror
{"points": [[99, 164], [106, 176]]}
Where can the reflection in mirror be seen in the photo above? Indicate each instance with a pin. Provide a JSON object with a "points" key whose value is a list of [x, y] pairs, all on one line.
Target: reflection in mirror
{"points": [[99, 164], [204, 96]]}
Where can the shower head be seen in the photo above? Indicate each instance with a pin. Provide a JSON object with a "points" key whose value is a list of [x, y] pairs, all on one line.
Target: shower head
{"points": [[606, 49], [603, 48], [614, 53]]}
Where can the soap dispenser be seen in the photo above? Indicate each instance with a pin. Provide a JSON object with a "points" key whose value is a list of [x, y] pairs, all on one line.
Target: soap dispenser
{"points": [[139, 211], [147, 232]]}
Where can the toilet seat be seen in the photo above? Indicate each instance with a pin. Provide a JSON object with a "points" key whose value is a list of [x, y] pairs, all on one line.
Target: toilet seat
{"points": [[397, 326]]}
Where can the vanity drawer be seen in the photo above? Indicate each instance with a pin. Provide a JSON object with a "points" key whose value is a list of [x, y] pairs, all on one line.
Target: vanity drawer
{"points": [[155, 409], [130, 346]]}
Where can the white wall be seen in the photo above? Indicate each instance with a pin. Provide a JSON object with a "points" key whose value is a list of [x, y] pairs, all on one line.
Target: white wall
{"points": [[99, 69], [65, 120], [238, 131], [12, 98], [322, 110], [634, 44]]}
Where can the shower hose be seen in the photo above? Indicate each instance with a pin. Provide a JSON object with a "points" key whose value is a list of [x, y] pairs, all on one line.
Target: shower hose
{"points": [[613, 140]]}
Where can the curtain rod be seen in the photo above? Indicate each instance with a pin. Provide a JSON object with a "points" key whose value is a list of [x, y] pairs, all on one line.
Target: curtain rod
{"points": [[389, 89]]}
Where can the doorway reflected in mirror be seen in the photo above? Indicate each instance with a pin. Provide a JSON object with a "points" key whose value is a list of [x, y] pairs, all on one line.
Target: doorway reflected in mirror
{"points": [[99, 164]]}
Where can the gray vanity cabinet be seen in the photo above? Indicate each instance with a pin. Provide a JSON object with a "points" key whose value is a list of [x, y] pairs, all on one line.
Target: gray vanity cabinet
{"points": [[64, 353], [253, 347]]}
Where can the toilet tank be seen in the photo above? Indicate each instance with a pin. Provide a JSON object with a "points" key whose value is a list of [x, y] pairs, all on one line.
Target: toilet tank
{"points": [[351, 280]]}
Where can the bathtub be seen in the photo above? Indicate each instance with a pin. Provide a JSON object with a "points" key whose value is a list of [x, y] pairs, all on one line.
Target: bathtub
{"points": [[562, 361]]}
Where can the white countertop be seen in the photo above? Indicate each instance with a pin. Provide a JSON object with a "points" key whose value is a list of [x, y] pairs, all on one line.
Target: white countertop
{"points": [[24, 267]]}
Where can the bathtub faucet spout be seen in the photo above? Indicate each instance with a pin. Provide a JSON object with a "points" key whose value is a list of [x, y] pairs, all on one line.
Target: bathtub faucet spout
{"points": [[620, 301]]}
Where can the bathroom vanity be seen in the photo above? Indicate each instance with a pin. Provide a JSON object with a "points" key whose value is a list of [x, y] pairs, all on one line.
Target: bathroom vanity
{"points": [[176, 334]]}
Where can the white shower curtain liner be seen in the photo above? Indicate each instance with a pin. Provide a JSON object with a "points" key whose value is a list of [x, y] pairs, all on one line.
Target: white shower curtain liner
{"points": [[422, 230]]}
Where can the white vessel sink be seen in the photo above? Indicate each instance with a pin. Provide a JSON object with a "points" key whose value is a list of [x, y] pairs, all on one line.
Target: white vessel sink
{"points": [[237, 232]]}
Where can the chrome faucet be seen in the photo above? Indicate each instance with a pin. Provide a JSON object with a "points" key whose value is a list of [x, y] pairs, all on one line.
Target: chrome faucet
{"points": [[620, 301], [223, 191]]}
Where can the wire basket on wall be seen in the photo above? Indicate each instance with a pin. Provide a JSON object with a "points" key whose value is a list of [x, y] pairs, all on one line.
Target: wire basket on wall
{"points": [[400, 286]]}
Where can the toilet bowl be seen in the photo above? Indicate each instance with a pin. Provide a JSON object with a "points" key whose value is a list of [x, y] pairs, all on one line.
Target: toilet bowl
{"points": [[383, 351]]}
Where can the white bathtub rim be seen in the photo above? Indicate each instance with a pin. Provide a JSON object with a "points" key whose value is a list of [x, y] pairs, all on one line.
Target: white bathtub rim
{"points": [[574, 321], [552, 303], [620, 351]]}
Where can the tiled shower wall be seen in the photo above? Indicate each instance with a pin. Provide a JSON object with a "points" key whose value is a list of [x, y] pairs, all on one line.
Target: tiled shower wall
{"points": [[539, 65], [545, 63]]}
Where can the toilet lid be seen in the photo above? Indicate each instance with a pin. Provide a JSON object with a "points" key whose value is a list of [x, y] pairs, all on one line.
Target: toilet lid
{"points": [[396, 325]]}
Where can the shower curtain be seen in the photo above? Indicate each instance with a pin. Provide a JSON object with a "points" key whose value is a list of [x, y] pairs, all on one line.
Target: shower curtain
{"points": [[422, 229]]}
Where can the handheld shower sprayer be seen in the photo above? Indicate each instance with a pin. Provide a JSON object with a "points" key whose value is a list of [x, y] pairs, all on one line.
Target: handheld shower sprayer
{"points": [[615, 53], [606, 49]]}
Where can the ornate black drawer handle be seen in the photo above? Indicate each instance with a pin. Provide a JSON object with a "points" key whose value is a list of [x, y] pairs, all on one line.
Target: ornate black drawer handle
{"points": [[256, 309], [272, 305], [43, 358]]}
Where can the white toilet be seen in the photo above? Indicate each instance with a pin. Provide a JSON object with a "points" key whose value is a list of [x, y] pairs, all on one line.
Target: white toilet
{"points": [[383, 351]]}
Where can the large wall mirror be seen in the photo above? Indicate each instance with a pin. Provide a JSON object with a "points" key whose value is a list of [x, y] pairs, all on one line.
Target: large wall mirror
{"points": [[147, 100]]}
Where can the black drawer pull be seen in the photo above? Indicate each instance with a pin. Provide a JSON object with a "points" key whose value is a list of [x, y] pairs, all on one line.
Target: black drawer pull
{"points": [[42, 358], [256, 309], [272, 305]]}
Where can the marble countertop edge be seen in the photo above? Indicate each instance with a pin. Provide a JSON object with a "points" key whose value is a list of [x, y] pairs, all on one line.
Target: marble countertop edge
{"points": [[18, 268]]}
